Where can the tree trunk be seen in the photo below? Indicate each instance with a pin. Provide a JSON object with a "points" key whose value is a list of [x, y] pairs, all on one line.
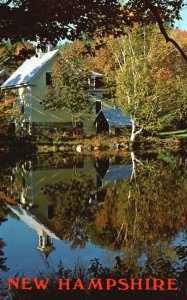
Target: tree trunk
{"points": [[74, 125], [133, 158], [134, 133]]}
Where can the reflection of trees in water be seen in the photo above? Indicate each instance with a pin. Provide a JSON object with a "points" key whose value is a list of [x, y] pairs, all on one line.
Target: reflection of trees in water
{"points": [[140, 216], [162, 268], [72, 214], [3, 259], [5, 186], [65, 160], [3, 213], [145, 211]]}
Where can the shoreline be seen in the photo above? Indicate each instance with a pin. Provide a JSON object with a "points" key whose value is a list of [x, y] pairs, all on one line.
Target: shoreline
{"points": [[89, 145]]}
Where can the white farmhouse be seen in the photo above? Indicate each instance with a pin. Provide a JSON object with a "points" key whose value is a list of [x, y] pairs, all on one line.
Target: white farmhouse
{"points": [[30, 82]]}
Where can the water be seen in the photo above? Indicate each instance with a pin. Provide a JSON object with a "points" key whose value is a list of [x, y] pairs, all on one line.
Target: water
{"points": [[77, 208]]}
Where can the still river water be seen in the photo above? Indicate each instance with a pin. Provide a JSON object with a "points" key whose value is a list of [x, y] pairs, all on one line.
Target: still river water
{"points": [[77, 208]]}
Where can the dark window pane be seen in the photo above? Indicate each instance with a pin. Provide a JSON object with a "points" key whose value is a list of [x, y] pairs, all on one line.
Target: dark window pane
{"points": [[22, 109], [99, 83], [51, 209], [48, 78], [98, 106]]}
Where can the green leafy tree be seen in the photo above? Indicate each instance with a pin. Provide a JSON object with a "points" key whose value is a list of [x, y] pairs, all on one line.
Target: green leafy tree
{"points": [[70, 84], [149, 81], [6, 113], [12, 55]]}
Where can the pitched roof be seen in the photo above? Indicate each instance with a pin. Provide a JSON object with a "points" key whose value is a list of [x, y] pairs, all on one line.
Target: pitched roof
{"points": [[115, 117], [28, 70]]}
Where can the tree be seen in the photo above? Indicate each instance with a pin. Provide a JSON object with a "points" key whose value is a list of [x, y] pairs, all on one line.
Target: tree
{"points": [[73, 214], [12, 55], [141, 214], [138, 215], [5, 211], [54, 20], [6, 113], [70, 84], [149, 81]]}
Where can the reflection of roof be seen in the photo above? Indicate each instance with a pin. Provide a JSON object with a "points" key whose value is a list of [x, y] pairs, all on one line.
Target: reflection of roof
{"points": [[115, 117], [95, 74], [28, 70], [28, 218], [117, 173]]}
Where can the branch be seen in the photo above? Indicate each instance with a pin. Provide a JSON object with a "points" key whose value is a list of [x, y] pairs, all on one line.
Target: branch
{"points": [[7, 198], [115, 55], [139, 131], [163, 30], [133, 63]]}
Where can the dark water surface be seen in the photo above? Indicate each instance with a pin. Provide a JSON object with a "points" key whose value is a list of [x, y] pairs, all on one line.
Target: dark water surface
{"points": [[77, 208]]}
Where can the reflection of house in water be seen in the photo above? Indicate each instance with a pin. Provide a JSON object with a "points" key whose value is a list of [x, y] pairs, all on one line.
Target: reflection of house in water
{"points": [[46, 236], [114, 174], [45, 242], [31, 179], [37, 210], [104, 172], [109, 172]]}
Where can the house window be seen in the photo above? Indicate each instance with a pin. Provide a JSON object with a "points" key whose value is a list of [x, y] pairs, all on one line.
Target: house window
{"points": [[91, 82], [99, 83], [48, 78], [12, 105], [23, 182], [22, 108], [98, 106], [96, 83], [51, 211]]}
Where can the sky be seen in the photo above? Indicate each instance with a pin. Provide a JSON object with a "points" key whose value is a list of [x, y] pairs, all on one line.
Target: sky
{"points": [[182, 24]]}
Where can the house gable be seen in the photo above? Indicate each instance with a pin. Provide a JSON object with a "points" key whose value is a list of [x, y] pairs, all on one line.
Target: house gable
{"points": [[29, 70], [109, 118]]}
